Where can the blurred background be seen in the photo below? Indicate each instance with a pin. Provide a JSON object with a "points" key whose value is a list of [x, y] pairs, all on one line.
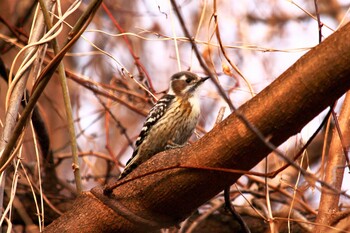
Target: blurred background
{"points": [[123, 63]]}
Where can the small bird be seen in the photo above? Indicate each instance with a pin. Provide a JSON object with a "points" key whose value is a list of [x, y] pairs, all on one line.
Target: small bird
{"points": [[170, 122]]}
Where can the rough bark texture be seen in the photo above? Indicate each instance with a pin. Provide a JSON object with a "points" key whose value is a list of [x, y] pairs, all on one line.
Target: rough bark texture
{"points": [[281, 110]]}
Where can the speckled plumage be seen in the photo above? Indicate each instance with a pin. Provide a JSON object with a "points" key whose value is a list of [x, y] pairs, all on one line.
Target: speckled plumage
{"points": [[171, 121]]}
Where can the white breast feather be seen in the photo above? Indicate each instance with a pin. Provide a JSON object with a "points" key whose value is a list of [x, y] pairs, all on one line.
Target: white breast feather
{"points": [[194, 101]]}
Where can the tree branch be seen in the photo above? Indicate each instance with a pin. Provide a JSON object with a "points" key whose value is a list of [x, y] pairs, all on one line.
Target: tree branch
{"points": [[329, 203], [280, 111]]}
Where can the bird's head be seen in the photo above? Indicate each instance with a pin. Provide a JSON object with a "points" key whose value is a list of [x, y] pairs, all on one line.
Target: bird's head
{"points": [[185, 83]]}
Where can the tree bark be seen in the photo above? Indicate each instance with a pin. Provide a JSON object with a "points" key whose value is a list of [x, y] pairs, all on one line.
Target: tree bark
{"points": [[328, 209], [165, 198]]}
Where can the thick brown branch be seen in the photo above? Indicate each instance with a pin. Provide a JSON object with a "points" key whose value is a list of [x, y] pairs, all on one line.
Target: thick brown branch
{"points": [[281, 110]]}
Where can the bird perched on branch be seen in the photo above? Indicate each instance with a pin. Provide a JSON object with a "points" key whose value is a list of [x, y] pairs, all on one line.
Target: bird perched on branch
{"points": [[171, 121]]}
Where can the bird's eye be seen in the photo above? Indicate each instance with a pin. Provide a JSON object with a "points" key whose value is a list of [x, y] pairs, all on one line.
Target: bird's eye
{"points": [[188, 80]]}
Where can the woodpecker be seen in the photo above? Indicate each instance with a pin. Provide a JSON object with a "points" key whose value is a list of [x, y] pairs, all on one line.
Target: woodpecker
{"points": [[170, 122]]}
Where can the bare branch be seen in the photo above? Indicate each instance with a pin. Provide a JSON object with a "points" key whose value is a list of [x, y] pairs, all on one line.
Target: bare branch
{"points": [[281, 110]]}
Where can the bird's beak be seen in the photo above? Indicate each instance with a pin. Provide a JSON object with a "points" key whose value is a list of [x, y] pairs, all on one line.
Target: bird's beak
{"points": [[198, 83], [203, 79]]}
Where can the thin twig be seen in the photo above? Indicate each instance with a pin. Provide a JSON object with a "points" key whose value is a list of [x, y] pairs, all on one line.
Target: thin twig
{"points": [[67, 103], [319, 23], [16, 98], [141, 68], [45, 76], [199, 57], [239, 115], [295, 191], [119, 124], [218, 36], [88, 84], [342, 140], [270, 218], [301, 151], [233, 212]]}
